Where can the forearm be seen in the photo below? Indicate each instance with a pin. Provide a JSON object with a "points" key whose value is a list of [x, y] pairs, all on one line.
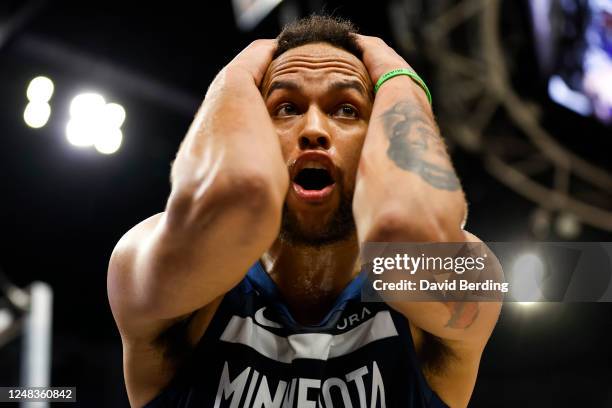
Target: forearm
{"points": [[228, 185], [231, 142], [407, 189]]}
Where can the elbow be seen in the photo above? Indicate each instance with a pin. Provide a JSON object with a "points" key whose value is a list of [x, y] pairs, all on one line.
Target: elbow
{"points": [[248, 191]]}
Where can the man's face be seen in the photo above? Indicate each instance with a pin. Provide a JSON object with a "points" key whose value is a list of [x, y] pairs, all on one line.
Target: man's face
{"points": [[320, 99]]}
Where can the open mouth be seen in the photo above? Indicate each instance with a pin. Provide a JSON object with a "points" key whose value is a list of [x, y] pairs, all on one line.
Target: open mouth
{"points": [[313, 179]]}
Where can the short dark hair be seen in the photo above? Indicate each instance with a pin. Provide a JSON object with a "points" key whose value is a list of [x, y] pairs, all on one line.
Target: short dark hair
{"points": [[336, 31]]}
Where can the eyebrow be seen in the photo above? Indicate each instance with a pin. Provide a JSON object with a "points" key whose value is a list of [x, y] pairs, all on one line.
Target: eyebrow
{"points": [[335, 86], [276, 85], [339, 86]]}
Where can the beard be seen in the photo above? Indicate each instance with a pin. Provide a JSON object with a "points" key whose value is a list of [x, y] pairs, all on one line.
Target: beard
{"points": [[339, 227]]}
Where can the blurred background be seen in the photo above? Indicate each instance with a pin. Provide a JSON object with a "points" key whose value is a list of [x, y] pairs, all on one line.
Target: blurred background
{"points": [[96, 97]]}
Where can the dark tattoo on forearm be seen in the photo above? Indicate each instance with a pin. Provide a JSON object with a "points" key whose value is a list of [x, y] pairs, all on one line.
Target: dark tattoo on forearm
{"points": [[416, 147], [463, 314]]}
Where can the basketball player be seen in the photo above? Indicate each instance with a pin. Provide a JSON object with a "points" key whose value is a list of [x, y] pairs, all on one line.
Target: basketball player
{"points": [[245, 291]]}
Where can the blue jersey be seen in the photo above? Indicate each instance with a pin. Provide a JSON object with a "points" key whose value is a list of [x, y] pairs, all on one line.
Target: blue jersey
{"points": [[254, 354]]}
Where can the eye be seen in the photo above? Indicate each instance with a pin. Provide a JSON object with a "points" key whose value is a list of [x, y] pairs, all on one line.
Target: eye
{"points": [[286, 109], [347, 111]]}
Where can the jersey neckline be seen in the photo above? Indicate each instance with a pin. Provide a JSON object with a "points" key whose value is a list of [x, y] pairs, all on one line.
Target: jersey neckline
{"points": [[259, 278]]}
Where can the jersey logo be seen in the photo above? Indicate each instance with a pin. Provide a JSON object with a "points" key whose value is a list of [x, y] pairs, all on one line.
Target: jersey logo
{"points": [[353, 319], [363, 386], [265, 322]]}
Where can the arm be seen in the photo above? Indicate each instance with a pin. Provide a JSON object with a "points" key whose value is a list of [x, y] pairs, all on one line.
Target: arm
{"points": [[403, 148], [228, 185], [229, 181], [407, 191]]}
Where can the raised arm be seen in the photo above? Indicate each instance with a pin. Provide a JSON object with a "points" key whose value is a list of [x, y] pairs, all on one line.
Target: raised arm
{"points": [[408, 191], [229, 181], [406, 181]]}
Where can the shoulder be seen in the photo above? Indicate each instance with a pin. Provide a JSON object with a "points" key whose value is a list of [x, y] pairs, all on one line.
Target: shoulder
{"points": [[127, 244], [153, 349], [125, 251]]}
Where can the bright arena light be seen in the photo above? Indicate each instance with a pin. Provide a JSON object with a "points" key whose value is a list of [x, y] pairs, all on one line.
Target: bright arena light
{"points": [[109, 142], [36, 114], [115, 114], [79, 133], [93, 122], [38, 110], [527, 274], [40, 89], [87, 106]]}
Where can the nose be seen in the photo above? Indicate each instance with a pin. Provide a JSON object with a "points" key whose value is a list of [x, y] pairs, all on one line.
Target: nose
{"points": [[314, 134]]}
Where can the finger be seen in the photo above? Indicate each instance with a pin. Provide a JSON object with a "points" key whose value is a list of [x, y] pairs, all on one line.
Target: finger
{"points": [[259, 49], [265, 44], [367, 40], [256, 57], [265, 50]]}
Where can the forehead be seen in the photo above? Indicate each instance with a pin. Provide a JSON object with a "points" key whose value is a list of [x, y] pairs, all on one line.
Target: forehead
{"points": [[317, 61]]}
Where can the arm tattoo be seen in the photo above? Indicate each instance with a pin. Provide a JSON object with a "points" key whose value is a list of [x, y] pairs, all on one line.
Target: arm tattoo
{"points": [[415, 146], [463, 314]]}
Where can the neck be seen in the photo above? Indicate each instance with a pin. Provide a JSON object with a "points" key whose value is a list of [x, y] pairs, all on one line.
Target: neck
{"points": [[311, 278]]}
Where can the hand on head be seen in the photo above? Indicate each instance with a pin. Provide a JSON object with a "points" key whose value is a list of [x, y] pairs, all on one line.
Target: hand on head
{"points": [[378, 57], [255, 58]]}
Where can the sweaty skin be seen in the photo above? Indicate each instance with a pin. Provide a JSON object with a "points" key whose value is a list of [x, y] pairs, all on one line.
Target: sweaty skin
{"points": [[320, 98], [233, 178]]}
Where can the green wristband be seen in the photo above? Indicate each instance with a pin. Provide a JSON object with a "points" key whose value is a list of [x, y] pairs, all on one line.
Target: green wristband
{"points": [[403, 71]]}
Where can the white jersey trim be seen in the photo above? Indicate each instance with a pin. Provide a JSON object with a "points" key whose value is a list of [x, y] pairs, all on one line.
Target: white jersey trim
{"points": [[317, 346]]}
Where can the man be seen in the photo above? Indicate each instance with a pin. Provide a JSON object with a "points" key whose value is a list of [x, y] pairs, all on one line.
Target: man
{"points": [[244, 292]]}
